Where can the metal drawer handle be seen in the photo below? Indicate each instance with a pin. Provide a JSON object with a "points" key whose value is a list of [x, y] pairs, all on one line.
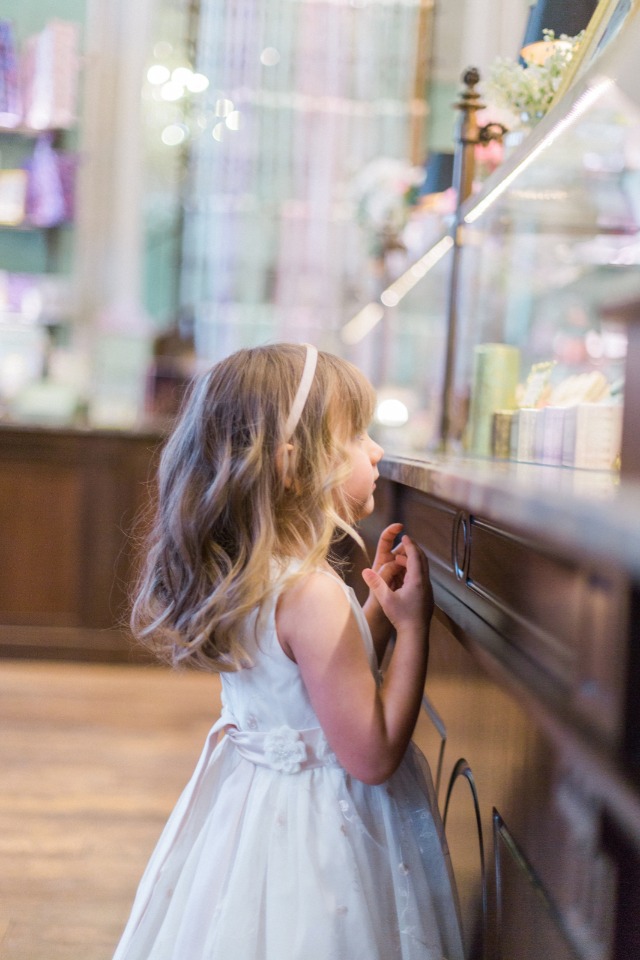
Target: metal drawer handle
{"points": [[460, 551]]}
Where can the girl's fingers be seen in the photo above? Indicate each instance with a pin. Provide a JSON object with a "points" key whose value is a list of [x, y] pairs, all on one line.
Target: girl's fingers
{"points": [[400, 556], [384, 550], [418, 573], [411, 552], [417, 565], [377, 585], [398, 573], [391, 573]]}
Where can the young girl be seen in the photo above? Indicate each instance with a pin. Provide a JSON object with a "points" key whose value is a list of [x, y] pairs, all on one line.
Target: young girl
{"points": [[310, 831]]}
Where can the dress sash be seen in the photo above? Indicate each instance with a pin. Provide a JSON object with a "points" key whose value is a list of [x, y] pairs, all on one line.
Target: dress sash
{"points": [[283, 749]]}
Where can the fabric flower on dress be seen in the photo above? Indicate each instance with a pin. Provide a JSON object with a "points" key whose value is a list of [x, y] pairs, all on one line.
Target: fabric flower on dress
{"points": [[285, 750]]}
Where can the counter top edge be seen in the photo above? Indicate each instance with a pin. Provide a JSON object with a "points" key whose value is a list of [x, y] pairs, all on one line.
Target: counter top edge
{"points": [[575, 513]]}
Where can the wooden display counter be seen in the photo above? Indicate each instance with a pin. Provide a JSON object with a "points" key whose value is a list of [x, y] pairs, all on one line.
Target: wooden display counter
{"points": [[531, 717], [68, 503]]}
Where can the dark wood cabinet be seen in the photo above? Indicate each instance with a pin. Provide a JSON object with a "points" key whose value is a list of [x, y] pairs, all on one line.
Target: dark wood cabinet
{"points": [[529, 721], [69, 505]]}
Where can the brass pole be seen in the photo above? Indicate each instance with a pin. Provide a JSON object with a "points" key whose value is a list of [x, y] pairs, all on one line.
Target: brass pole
{"points": [[468, 134], [419, 108]]}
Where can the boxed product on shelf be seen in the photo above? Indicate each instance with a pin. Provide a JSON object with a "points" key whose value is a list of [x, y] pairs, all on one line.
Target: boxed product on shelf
{"points": [[13, 197], [51, 175], [10, 99], [32, 298], [593, 436], [495, 379], [50, 65]]}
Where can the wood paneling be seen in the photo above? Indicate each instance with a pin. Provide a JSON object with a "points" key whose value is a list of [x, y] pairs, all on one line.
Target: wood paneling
{"points": [[554, 612], [530, 725], [68, 507], [40, 507]]}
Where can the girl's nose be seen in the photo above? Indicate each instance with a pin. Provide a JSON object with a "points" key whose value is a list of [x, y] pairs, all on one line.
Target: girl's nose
{"points": [[376, 453]]}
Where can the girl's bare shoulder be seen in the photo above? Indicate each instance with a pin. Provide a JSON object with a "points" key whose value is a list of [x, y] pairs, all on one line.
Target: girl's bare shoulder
{"points": [[313, 602]]}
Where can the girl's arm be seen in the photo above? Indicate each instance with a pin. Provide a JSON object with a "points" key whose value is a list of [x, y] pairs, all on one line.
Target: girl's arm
{"points": [[368, 728], [389, 563]]}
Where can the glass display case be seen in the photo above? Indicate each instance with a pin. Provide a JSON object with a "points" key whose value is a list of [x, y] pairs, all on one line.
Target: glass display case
{"points": [[546, 249], [521, 327], [529, 272], [400, 342]]}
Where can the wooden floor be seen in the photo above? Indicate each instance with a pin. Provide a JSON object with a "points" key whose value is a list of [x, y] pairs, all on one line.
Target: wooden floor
{"points": [[92, 760]]}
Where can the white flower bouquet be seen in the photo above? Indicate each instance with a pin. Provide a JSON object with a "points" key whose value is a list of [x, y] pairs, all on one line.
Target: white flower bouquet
{"points": [[528, 90]]}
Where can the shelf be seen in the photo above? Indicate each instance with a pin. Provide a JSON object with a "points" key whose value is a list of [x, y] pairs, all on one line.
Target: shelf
{"points": [[30, 133], [32, 227]]}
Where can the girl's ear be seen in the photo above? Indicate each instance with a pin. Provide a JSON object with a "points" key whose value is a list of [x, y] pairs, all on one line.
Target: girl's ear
{"points": [[283, 464]]}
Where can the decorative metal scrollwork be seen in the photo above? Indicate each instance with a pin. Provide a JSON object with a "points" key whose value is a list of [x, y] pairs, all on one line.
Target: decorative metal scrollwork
{"points": [[462, 770], [441, 729]]}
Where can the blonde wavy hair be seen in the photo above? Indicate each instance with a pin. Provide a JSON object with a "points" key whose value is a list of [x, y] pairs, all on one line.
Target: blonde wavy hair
{"points": [[225, 511]]}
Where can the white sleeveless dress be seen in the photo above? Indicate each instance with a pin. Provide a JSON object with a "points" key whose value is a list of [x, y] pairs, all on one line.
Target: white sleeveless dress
{"points": [[274, 852]]}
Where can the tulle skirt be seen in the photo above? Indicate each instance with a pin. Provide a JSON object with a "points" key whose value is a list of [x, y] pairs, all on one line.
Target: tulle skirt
{"points": [[258, 864]]}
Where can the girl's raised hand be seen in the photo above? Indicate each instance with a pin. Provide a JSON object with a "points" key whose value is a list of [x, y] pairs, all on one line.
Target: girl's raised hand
{"points": [[401, 584], [389, 561], [384, 550]]}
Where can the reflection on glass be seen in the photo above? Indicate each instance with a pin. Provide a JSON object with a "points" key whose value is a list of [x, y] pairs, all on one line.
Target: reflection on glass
{"points": [[399, 341], [547, 247]]}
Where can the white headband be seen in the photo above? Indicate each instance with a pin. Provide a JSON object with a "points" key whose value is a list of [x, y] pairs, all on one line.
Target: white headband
{"points": [[303, 390]]}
